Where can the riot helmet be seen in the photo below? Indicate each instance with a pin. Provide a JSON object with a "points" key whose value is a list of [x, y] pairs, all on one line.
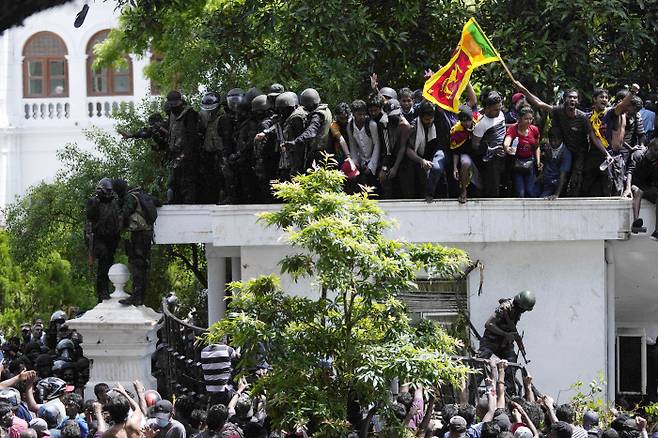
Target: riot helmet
{"points": [[287, 99], [277, 88], [388, 93], [65, 349], [59, 316], [103, 190], [210, 101], [234, 99], [251, 94], [120, 186], [309, 99], [260, 104], [175, 102], [525, 300]]}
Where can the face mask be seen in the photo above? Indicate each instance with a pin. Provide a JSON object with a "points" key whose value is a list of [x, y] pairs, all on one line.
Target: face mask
{"points": [[162, 422]]}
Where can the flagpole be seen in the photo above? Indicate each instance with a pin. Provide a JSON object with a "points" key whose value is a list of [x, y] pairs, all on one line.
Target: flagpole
{"points": [[507, 70]]}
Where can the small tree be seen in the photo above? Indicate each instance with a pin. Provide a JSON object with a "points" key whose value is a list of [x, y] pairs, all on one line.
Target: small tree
{"points": [[347, 345]]}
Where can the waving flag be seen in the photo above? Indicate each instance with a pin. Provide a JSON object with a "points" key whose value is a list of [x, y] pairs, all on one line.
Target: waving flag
{"points": [[445, 87]]}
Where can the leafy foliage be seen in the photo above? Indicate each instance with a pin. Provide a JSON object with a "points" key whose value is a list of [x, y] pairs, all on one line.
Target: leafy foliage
{"points": [[581, 43], [334, 48], [356, 337]]}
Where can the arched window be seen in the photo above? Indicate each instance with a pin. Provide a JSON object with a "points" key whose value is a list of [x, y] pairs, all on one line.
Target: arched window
{"points": [[45, 70], [104, 81]]}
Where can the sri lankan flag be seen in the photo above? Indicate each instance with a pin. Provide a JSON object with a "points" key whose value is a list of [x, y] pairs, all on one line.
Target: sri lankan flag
{"points": [[445, 87]]}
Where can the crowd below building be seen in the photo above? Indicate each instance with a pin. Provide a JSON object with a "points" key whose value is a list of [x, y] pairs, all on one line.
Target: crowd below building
{"points": [[405, 147], [42, 395]]}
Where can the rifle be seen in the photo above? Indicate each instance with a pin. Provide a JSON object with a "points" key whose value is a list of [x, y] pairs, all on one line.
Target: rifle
{"points": [[519, 342], [89, 234]]}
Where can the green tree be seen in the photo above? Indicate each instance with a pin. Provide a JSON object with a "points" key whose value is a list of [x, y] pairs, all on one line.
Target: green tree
{"points": [[357, 323], [333, 47], [580, 43]]}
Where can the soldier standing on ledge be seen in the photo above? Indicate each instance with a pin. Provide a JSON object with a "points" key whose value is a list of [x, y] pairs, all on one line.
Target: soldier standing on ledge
{"points": [[138, 214], [102, 233], [184, 146], [500, 331]]}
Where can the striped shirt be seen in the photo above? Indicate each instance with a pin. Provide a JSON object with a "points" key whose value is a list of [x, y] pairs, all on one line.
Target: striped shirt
{"points": [[216, 365]]}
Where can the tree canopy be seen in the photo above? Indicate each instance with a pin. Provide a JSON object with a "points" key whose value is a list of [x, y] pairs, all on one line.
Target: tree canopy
{"points": [[347, 345], [335, 46]]}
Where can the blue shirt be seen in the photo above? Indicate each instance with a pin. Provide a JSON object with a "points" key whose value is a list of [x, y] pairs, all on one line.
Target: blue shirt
{"points": [[554, 166], [84, 428], [649, 122]]}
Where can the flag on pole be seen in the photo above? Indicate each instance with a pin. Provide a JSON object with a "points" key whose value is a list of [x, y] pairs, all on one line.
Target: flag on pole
{"points": [[446, 86]]}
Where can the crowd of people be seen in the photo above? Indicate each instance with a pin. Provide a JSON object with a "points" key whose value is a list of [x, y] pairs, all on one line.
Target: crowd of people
{"points": [[38, 399], [406, 147]]}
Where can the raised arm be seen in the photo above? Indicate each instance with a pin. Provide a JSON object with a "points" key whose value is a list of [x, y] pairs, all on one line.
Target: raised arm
{"points": [[622, 106], [471, 97], [534, 100], [500, 384]]}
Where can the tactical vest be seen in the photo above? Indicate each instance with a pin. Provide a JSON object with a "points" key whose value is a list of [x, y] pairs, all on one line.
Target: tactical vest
{"points": [[108, 222], [177, 131], [321, 140], [136, 221], [288, 134], [212, 141], [299, 113]]}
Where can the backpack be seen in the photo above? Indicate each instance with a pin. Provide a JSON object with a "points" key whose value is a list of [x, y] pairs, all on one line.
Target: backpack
{"points": [[149, 205]]}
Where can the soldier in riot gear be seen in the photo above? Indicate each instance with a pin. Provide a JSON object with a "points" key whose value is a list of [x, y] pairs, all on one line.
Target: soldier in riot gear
{"points": [[273, 93], [265, 156], [138, 215], [156, 130], [500, 331], [246, 160], [290, 124], [102, 233], [229, 127], [184, 146], [388, 93], [315, 138], [209, 165]]}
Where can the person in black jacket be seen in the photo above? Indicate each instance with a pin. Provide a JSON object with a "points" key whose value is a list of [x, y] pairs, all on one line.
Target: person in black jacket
{"points": [[642, 181]]}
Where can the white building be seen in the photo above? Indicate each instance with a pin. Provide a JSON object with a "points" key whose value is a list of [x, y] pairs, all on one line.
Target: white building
{"points": [[593, 281], [49, 93]]}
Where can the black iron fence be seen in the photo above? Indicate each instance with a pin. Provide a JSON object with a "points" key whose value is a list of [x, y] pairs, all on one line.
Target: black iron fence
{"points": [[178, 366]]}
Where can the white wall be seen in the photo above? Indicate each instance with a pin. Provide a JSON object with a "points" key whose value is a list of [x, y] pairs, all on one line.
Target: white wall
{"points": [[565, 334]]}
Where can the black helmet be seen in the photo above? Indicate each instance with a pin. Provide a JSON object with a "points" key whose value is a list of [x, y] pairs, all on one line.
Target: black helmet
{"points": [[103, 189], [120, 186], [234, 99], [309, 98], [251, 94], [210, 101], [426, 108], [277, 88], [392, 107], [260, 104], [525, 300], [50, 388], [64, 344], [174, 96], [287, 99], [388, 92], [59, 315]]}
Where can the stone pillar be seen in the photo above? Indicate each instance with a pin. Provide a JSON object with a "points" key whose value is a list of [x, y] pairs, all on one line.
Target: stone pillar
{"points": [[216, 285], [118, 339]]}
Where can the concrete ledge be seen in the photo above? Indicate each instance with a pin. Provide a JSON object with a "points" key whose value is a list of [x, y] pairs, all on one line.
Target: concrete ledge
{"points": [[446, 221]]}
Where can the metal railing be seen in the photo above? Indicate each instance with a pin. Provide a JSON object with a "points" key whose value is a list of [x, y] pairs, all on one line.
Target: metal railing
{"points": [[178, 364]]}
